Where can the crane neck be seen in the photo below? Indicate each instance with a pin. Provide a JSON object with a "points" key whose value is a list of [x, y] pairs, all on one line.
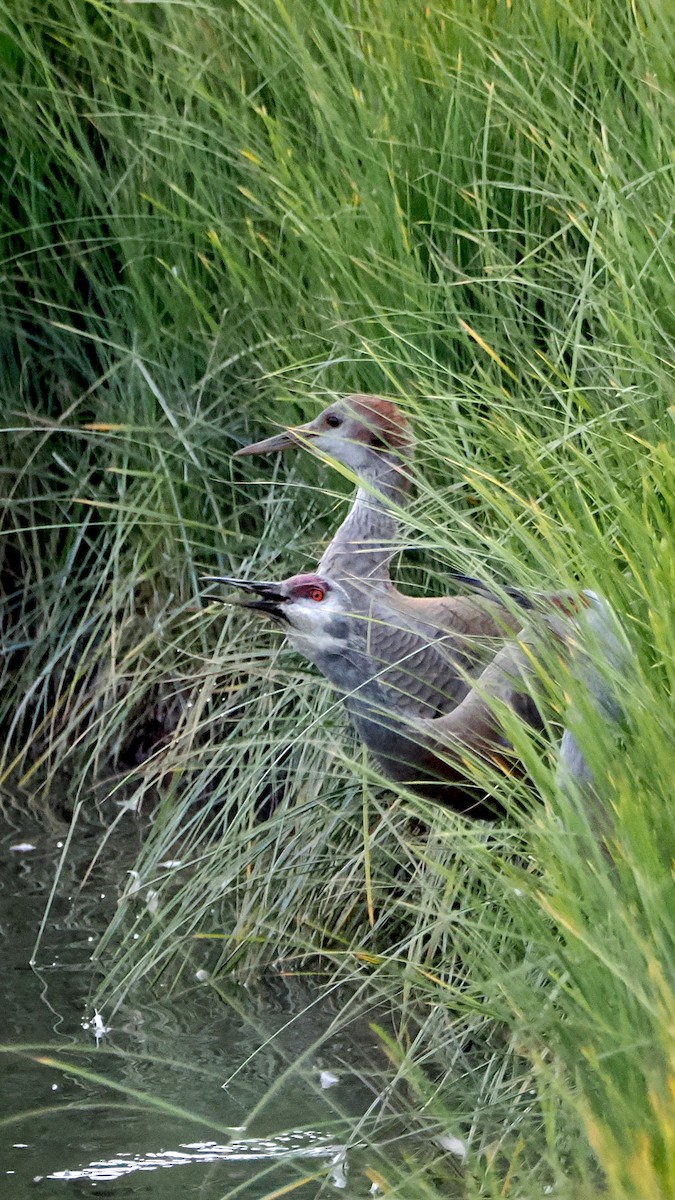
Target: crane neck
{"points": [[366, 541]]}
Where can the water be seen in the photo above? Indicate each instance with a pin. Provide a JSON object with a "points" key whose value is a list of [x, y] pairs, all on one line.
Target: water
{"points": [[210, 1092]]}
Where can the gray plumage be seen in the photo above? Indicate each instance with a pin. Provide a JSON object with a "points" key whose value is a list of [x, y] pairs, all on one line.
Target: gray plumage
{"points": [[426, 754]]}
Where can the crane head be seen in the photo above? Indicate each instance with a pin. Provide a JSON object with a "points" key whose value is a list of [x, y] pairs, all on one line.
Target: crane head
{"points": [[315, 612], [358, 431]]}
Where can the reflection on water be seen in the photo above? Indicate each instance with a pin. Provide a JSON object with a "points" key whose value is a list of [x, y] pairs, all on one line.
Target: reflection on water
{"points": [[273, 1088], [296, 1145]]}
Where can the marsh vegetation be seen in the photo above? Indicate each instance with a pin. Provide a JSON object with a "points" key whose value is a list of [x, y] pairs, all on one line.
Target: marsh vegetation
{"points": [[216, 216]]}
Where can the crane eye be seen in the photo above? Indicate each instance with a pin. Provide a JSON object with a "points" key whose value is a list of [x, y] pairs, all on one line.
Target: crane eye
{"points": [[316, 593], [332, 420]]}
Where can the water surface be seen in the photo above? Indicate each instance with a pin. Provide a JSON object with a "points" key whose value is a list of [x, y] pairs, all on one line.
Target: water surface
{"points": [[210, 1091]]}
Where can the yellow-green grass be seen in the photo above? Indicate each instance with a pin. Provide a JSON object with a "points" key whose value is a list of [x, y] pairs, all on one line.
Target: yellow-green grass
{"points": [[216, 216]]}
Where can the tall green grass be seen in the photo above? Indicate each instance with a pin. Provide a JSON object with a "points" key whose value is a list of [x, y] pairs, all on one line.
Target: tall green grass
{"points": [[215, 216]]}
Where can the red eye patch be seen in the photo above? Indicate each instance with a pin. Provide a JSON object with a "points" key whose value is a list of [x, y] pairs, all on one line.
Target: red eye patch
{"points": [[308, 587], [310, 591]]}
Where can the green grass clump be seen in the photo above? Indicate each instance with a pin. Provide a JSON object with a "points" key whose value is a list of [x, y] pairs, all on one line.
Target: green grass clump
{"points": [[215, 215]]}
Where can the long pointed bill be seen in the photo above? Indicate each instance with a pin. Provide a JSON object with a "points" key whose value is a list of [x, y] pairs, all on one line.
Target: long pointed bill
{"points": [[270, 597], [279, 441]]}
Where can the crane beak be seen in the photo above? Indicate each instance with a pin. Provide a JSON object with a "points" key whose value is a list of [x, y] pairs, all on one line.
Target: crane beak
{"points": [[270, 598], [298, 435]]}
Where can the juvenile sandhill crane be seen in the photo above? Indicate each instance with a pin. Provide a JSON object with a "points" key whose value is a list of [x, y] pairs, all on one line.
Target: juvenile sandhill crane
{"points": [[427, 649], [426, 754]]}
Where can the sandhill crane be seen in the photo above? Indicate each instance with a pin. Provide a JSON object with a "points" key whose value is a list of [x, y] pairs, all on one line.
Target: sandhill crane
{"points": [[430, 646], [426, 754]]}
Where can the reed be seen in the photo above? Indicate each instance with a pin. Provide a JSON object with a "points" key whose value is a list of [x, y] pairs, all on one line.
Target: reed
{"points": [[214, 215]]}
